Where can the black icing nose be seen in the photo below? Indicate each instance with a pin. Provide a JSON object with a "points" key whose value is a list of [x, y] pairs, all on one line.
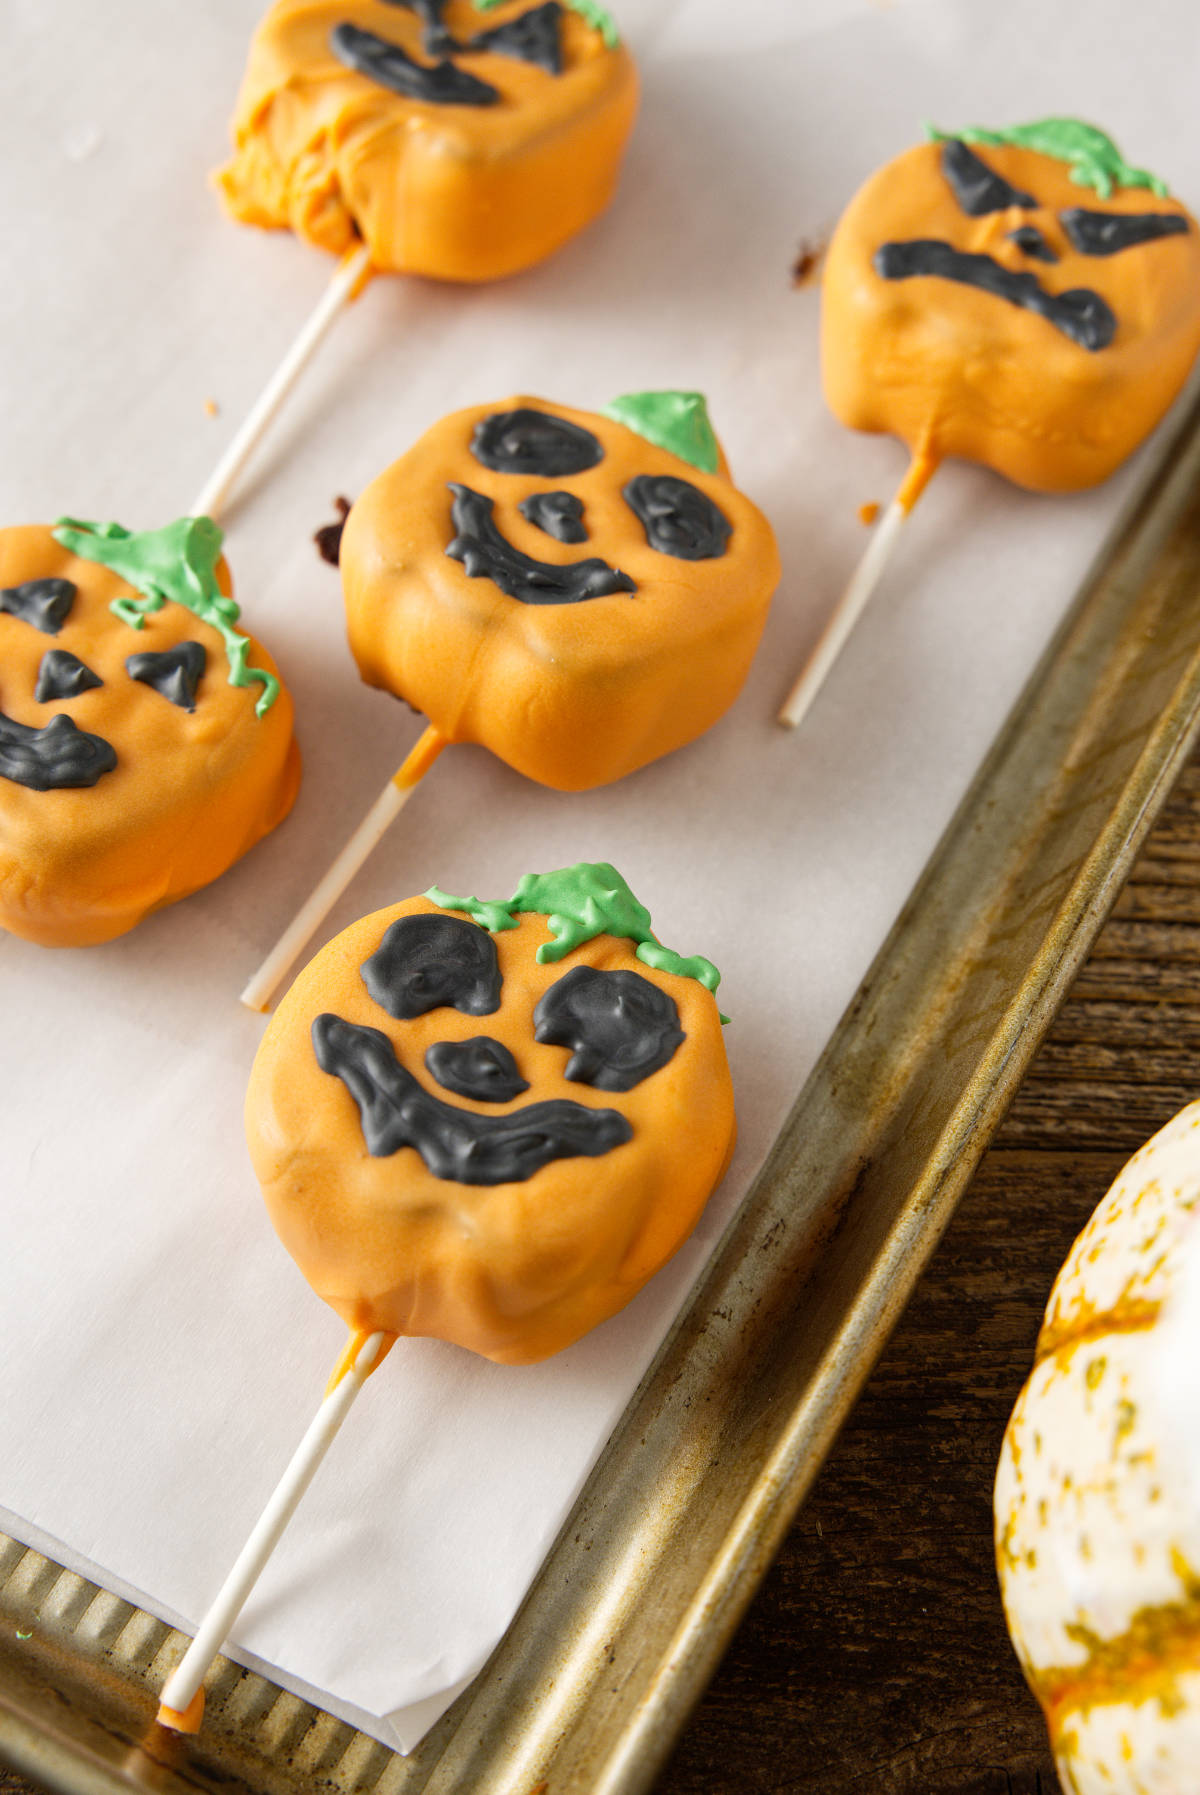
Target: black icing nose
{"points": [[480, 1068]]}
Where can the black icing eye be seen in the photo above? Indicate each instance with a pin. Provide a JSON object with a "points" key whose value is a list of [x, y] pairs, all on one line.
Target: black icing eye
{"points": [[678, 518], [429, 962], [175, 673], [1031, 243], [1106, 233], [43, 603], [978, 188], [558, 514], [63, 675], [619, 1026], [525, 441], [532, 37], [480, 1068]]}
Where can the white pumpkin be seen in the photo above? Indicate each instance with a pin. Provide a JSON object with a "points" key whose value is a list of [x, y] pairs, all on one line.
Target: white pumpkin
{"points": [[1098, 1489]]}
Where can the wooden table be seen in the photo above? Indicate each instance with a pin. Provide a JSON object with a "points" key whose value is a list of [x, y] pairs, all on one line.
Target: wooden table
{"points": [[874, 1660]]}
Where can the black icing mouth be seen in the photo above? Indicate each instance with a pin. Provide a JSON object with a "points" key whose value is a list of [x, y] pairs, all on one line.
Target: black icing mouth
{"points": [[58, 756], [1080, 314], [486, 553], [459, 1145]]}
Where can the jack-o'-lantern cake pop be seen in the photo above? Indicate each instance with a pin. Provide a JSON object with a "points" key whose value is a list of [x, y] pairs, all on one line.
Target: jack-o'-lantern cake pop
{"points": [[145, 742], [578, 591], [1023, 298], [484, 1122], [464, 140]]}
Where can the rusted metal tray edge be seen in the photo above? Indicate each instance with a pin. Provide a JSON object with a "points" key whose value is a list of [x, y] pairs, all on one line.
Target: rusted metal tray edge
{"points": [[682, 1515]]}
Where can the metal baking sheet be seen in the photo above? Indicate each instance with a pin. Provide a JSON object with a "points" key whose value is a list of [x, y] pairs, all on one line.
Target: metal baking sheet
{"points": [[680, 1519]]}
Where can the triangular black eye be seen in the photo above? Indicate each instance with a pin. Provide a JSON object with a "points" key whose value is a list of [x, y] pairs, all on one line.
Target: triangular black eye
{"points": [[389, 66], [533, 37], [63, 675], [173, 672], [43, 603], [1106, 233], [558, 514], [978, 188]]}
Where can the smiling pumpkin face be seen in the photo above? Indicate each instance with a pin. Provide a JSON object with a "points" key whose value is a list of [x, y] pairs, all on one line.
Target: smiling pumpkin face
{"points": [[559, 586], [132, 771], [492, 1132], [456, 140], [1035, 312]]}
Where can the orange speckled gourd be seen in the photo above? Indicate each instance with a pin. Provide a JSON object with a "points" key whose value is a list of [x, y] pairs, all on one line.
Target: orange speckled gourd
{"points": [[953, 369], [571, 694], [191, 790], [515, 1269], [459, 191]]}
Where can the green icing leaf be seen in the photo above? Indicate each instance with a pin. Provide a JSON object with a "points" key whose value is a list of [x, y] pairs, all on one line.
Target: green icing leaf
{"points": [[579, 903], [596, 15], [178, 562], [1094, 159], [494, 917], [677, 422]]}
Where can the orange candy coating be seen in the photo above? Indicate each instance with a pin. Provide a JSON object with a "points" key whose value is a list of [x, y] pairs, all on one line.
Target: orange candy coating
{"points": [[465, 193], [513, 1271], [191, 791], [952, 370], [572, 695]]}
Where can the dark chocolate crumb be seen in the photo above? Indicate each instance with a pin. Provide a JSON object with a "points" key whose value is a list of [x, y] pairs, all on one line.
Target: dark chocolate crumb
{"points": [[807, 262], [329, 537]]}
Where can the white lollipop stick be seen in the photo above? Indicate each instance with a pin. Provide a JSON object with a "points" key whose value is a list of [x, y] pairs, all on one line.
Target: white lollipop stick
{"points": [[347, 278], [386, 808], [853, 601], [182, 1704]]}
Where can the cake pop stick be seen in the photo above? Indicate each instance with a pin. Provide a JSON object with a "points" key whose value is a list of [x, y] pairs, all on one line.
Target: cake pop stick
{"points": [[857, 593], [464, 140], [1022, 298], [145, 742], [346, 282], [308, 919], [468, 595], [182, 1704], [505, 1190]]}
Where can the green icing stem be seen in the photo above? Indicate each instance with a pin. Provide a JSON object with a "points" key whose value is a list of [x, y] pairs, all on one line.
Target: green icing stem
{"points": [[677, 422], [178, 562], [1094, 159], [597, 16], [580, 902]]}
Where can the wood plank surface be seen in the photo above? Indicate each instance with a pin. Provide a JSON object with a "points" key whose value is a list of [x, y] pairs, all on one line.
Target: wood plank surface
{"points": [[874, 1660]]}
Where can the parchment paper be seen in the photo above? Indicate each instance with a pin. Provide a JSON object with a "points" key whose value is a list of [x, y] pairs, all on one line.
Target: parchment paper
{"points": [[160, 1353]]}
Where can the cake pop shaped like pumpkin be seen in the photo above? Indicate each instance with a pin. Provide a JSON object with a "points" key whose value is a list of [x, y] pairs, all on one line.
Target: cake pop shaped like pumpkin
{"points": [[464, 139], [580, 592], [491, 1123], [1022, 298], [145, 742]]}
